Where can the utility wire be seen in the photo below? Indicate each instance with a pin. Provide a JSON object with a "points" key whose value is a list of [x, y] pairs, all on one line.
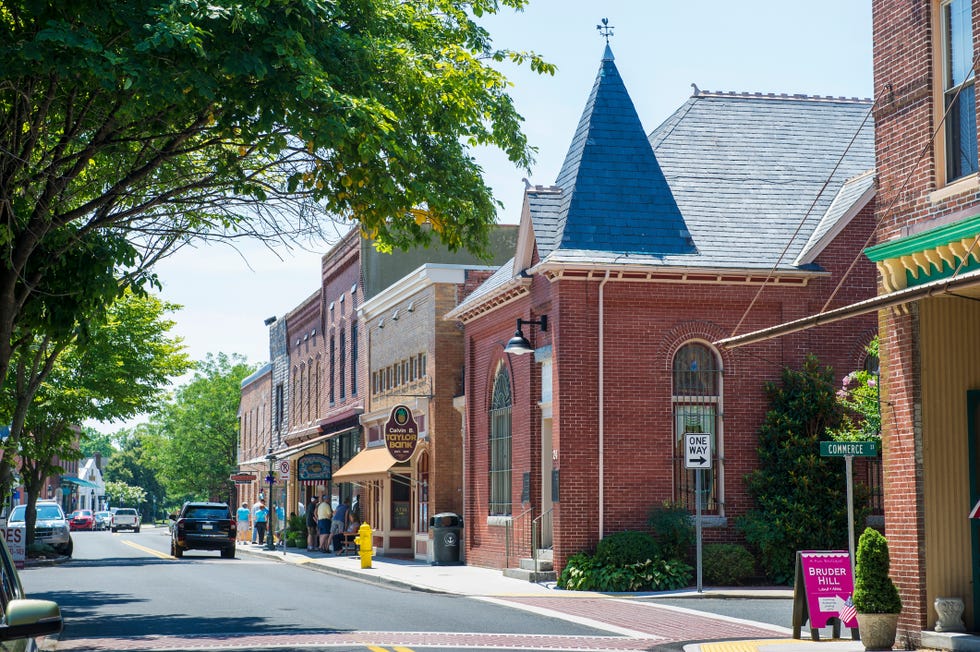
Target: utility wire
{"points": [[805, 217], [894, 200]]}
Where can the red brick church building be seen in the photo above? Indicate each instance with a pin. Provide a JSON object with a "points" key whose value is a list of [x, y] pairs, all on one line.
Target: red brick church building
{"points": [[738, 212]]}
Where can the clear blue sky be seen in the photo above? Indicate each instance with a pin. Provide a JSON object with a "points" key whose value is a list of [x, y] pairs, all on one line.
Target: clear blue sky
{"points": [[661, 48]]}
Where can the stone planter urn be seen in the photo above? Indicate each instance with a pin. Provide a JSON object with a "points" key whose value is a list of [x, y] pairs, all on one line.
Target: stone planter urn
{"points": [[877, 630], [950, 612]]}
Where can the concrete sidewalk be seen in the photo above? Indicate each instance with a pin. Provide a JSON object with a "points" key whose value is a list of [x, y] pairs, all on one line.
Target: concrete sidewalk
{"points": [[419, 575]]}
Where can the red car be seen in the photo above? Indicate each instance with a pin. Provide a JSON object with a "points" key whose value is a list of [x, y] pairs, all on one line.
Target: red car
{"points": [[83, 519]]}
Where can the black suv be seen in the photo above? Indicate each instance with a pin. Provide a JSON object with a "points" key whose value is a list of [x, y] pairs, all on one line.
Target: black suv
{"points": [[203, 526]]}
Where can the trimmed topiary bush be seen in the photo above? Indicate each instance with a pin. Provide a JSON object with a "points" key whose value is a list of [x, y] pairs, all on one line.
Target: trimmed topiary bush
{"points": [[874, 590], [625, 548], [726, 564]]}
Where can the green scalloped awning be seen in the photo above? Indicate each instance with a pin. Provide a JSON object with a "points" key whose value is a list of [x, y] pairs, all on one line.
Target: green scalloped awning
{"points": [[934, 254]]}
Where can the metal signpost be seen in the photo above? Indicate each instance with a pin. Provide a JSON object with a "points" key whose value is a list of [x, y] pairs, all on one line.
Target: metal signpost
{"points": [[849, 450], [697, 456]]}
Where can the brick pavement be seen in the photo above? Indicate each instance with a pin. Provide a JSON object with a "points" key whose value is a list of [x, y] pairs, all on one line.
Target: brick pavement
{"points": [[633, 625]]}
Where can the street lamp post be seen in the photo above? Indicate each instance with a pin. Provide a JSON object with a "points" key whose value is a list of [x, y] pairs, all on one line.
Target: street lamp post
{"points": [[269, 543]]}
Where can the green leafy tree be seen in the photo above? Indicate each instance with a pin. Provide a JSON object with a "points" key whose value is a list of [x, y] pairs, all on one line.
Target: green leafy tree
{"points": [[199, 449], [135, 462], [94, 442], [124, 495], [113, 369], [129, 129], [799, 496]]}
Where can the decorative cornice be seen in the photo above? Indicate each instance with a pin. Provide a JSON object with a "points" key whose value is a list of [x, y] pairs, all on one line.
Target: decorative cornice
{"points": [[507, 293], [931, 255]]}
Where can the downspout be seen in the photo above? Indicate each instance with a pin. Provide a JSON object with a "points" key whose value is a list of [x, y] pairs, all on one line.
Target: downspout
{"points": [[602, 421]]}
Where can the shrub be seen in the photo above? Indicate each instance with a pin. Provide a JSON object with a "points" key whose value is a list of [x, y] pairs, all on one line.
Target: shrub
{"points": [[672, 530], [584, 572], [726, 564], [625, 548], [874, 591], [799, 496], [296, 524]]}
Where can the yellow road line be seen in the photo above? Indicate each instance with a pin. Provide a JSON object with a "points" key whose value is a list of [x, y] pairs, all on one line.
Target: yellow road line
{"points": [[155, 553], [743, 646]]}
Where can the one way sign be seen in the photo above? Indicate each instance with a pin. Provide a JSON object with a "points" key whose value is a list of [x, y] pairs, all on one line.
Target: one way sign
{"points": [[697, 450]]}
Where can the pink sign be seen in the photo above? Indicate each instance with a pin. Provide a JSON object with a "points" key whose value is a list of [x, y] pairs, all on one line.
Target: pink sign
{"points": [[829, 586]]}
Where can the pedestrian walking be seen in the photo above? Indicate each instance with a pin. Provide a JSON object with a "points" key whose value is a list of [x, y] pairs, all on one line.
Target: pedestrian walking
{"points": [[311, 529], [280, 521], [323, 516], [243, 516], [255, 508], [339, 522], [261, 520]]}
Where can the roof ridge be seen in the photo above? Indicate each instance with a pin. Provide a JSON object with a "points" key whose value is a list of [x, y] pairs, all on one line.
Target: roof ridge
{"points": [[778, 96]]}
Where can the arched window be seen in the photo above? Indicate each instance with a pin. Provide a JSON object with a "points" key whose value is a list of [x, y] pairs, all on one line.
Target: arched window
{"points": [[500, 443], [696, 406]]}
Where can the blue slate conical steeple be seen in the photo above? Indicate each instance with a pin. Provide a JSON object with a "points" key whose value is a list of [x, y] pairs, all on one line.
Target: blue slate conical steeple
{"points": [[615, 195]]}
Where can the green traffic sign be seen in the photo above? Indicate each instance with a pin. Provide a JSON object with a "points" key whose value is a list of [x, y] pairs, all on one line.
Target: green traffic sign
{"points": [[848, 449]]}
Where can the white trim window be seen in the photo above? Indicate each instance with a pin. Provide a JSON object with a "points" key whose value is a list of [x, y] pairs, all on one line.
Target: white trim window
{"points": [[959, 96], [696, 407], [501, 406]]}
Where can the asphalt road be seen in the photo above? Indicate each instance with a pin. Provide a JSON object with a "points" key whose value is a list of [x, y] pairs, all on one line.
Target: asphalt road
{"points": [[126, 586]]}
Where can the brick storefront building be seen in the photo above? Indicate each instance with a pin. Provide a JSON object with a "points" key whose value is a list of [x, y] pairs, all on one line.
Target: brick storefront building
{"points": [[928, 210], [415, 359], [728, 217]]}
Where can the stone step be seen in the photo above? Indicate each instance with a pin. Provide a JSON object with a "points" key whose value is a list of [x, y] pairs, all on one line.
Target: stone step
{"points": [[530, 575], [542, 565]]}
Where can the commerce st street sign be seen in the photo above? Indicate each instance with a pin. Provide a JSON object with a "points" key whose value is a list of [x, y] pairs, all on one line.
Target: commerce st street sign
{"points": [[848, 449]]}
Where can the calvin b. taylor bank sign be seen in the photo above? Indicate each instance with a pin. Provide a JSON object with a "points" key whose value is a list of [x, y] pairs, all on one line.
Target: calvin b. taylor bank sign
{"points": [[401, 433]]}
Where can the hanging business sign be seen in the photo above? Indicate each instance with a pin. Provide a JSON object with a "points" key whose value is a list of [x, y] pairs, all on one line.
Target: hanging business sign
{"points": [[314, 468], [401, 433]]}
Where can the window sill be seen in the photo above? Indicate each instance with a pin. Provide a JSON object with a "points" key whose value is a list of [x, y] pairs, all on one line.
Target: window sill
{"points": [[958, 187], [499, 521]]}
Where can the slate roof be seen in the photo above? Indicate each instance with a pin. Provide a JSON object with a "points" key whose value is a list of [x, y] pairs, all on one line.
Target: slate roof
{"points": [[730, 181], [615, 197], [847, 198]]}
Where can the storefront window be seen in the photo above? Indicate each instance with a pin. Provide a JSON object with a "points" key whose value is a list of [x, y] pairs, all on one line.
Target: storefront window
{"points": [[401, 501]]}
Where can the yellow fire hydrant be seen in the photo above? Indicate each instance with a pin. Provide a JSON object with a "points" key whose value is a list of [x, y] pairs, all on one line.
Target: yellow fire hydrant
{"points": [[365, 544]]}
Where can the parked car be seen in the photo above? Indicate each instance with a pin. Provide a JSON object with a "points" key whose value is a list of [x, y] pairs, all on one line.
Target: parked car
{"points": [[83, 519], [51, 527], [203, 526], [22, 619], [125, 518], [103, 520]]}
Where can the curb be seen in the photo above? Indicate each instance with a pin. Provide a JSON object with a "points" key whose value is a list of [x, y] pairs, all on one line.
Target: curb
{"points": [[349, 574]]}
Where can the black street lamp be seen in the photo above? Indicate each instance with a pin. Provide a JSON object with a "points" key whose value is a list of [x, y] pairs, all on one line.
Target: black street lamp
{"points": [[269, 544]]}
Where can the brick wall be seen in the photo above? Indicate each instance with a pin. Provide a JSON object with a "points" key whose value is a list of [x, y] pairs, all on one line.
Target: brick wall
{"points": [[906, 121], [645, 323]]}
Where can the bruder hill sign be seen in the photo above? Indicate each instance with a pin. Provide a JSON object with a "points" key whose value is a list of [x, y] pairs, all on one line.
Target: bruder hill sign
{"points": [[401, 433]]}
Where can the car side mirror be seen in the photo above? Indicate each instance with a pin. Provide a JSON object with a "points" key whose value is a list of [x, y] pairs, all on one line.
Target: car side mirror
{"points": [[172, 517], [30, 618]]}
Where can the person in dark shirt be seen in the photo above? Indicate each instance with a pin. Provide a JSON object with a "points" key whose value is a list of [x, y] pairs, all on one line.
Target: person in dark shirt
{"points": [[339, 524]]}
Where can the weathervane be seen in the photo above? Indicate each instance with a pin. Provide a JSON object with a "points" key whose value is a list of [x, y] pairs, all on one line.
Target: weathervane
{"points": [[605, 29]]}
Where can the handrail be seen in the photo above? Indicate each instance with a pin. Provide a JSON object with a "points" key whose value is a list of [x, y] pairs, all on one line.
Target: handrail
{"points": [[511, 543], [536, 534]]}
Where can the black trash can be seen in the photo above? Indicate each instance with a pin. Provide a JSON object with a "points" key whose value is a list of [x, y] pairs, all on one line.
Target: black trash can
{"points": [[446, 532]]}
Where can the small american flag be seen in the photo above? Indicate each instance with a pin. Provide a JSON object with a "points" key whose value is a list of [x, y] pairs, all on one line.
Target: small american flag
{"points": [[845, 611]]}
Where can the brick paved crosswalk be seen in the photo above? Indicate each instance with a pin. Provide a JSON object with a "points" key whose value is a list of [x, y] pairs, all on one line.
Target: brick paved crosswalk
{"points": [[633, 625]]}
